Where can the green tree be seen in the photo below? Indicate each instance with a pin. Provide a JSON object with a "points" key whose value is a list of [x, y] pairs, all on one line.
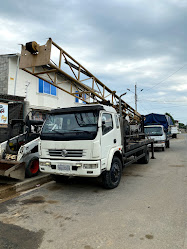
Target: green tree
{"points": [[170, 117], [182, 126]]}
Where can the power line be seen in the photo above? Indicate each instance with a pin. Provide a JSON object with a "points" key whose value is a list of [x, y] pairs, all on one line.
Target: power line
{"points": [[143, 108], [165, 78], [163, 101], [171, 106]]}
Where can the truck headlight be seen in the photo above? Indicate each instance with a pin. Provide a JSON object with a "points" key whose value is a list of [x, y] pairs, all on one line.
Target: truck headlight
{"points": [[78, 164], [90, 166], [45, 163]]}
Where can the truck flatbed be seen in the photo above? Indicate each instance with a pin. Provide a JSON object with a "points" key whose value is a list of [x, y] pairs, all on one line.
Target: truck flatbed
{"points": [[137, 144]]}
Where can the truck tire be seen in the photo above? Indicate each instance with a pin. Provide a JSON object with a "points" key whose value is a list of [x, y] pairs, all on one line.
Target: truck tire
{"points": [[111, 179], [32, 167], [145, 159], [60, 178]]}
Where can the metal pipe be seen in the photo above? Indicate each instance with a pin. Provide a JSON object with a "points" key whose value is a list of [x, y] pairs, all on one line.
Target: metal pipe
{"points": [[17, 67], [121, 123], [152, 151], [120, 109]]}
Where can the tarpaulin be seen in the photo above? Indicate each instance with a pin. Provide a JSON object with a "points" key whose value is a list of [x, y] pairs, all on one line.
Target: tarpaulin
{"points": [[158, 119]]}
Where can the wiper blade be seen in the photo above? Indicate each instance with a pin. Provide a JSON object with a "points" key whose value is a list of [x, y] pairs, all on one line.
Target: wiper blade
{"points": [[87, 125], [58, 132]]}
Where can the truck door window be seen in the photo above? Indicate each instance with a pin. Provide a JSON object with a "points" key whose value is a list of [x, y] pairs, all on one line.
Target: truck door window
{"points": [[107, 124]]}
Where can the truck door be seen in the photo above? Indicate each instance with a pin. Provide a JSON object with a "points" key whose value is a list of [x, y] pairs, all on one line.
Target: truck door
{"points": [[109, 136]]}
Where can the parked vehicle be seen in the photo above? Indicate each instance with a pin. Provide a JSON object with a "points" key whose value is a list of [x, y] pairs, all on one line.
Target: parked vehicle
{"points": [[19, 155], [88, 141], [157, 127], [174, 131]]}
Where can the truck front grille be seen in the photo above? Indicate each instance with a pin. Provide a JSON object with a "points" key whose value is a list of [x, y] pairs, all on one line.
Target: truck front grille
{"points": [[66, 153]]}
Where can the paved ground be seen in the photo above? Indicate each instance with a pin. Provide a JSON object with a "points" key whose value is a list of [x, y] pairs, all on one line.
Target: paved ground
{"points": [[147, 211]]}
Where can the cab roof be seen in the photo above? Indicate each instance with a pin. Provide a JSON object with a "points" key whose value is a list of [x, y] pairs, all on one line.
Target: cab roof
{"points": [[82, 108]]}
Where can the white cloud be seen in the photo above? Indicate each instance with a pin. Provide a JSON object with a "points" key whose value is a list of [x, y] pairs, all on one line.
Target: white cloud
{"points": [[179, 88], [120, 42]]}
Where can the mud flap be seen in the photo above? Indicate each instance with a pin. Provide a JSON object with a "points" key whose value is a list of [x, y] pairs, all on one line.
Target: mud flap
{"points": [[12, 169]]}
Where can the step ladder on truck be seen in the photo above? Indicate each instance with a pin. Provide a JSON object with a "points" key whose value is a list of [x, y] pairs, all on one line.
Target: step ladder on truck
{"points": [[94, 139]]}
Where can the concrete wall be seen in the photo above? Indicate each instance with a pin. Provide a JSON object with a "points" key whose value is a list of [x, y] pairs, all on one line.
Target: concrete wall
{"points": [[3, 74]]}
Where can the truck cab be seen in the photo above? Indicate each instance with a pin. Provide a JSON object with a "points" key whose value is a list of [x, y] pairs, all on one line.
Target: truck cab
{"points": [[157, 133], [80, 141]]}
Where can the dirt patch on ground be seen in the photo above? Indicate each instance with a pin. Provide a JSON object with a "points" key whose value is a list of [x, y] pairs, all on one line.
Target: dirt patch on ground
{"points": [[15, 237], [37, 200], [34, 200]]}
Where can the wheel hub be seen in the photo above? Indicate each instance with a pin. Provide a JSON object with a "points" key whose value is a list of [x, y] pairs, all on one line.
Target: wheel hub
{"points": [[115, 173]]}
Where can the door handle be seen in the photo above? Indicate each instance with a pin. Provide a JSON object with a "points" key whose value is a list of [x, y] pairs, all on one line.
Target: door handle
{"points": [[115, 141]]}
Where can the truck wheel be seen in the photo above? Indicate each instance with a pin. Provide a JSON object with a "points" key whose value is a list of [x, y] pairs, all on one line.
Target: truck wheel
{"points": [[32, 167], [111, 179], [145, 159], [60, 178]]}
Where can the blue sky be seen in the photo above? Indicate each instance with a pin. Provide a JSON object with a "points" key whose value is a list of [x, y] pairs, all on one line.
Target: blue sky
{"points": [[121, 42]]}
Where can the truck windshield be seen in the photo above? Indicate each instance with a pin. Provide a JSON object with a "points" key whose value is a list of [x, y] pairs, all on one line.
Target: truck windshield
{"points": [[153, 131], [70, 126]]}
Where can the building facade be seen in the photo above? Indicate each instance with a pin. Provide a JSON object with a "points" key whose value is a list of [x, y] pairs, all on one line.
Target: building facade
{"points": [[38, 96]]}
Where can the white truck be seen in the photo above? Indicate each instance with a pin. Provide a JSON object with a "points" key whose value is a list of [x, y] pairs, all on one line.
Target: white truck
{"points": [[174, 131], [88, 141]]}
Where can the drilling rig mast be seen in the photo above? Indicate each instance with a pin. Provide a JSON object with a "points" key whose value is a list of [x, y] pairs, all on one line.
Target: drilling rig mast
{"points": [[37, 60]]}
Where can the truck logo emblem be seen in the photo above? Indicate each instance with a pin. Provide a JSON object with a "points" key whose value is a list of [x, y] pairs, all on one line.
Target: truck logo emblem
{"points": [[64, 153]]}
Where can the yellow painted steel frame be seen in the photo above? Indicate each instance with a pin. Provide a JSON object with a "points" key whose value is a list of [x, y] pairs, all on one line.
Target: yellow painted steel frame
{"points": [[41, 65]]}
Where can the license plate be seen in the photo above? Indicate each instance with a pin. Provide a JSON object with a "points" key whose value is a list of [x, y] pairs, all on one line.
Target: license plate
{"points": [[64, 167]]}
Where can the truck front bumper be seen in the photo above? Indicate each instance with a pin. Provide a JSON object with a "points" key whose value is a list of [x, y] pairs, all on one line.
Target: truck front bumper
{"points": [[70, 168], [158, 145]]}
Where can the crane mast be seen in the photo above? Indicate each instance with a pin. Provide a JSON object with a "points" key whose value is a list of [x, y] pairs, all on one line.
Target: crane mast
{"points": [[38, 61]]}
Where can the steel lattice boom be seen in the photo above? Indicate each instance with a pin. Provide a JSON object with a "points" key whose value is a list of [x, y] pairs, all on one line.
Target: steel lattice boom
{"points": [[37, 60]]}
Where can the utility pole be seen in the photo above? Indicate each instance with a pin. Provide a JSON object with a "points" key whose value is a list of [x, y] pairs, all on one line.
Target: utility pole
{"points": [[135, 97]]}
